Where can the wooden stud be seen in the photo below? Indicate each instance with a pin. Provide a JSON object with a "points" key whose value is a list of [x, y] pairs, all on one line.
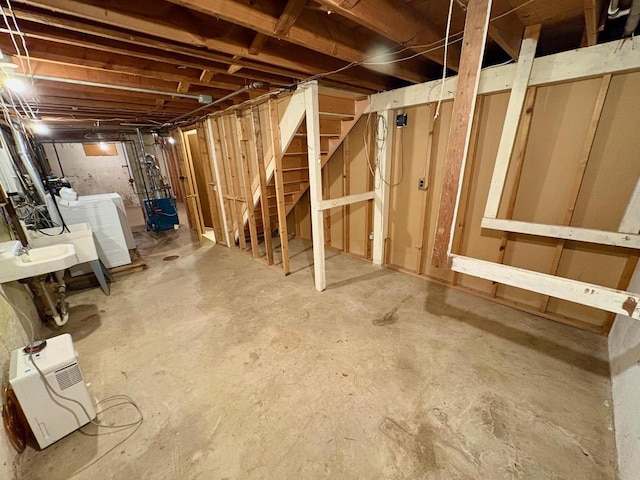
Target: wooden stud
{"points": [[276, 151], [192, 196], [430, 156], [216, 156], [326, 213], [512, 119], [346, 188], [183, 87], [315, 182], [520, 149], [234, 186], [474, 41], [263, 188], [577, 183], [212, 198], [245, 174], [384, 155]]}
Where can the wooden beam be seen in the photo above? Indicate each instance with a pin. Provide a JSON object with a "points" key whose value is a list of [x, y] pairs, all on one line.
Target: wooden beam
{"points": [[588, 235], [346, 200], [512, 120], [206, 76], [609, 299], [474, 41], [259, 158], [506, 29], [288, 17], [314, 39], [592, 10], [315, 183], [183, 87], [613, 57], [397, 22], [276, 151]]}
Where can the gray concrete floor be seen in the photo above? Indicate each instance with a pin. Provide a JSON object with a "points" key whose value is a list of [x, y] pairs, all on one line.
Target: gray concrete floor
{"points": [[242, 373]]}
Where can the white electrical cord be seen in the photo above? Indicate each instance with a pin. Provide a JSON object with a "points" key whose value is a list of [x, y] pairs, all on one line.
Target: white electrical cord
{"points": [[127, 400], [444, 64]]}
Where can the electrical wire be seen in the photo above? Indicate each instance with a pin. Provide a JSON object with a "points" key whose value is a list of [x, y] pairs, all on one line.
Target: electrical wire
{"points": [[444, 65], [128, 401]]}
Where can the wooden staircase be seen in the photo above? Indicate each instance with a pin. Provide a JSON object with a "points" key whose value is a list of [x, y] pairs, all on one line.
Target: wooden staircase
{"points": [[338, 116]]}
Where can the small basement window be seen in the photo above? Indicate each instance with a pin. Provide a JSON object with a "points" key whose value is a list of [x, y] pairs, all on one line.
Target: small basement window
{"points": [[102, 149]]}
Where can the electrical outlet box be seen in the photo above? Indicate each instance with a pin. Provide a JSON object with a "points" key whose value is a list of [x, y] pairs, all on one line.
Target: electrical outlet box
{"points": [[401, 120], [422, 183], [371, 236]]}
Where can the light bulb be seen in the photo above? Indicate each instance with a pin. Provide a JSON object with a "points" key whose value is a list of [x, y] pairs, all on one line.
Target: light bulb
{"points": [[15, 84], [41, 128], [172, 140]]}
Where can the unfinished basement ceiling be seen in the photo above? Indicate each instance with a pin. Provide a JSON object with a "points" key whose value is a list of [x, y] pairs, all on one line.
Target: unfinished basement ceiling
{"points": [[171, 52]]}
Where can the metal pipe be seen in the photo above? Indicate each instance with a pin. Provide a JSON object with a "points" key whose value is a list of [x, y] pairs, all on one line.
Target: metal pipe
{"points": [[633, 19], [23, 153], [114, 87], [244, 89]]}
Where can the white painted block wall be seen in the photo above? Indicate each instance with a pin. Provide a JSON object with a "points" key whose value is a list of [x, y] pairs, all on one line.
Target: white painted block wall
{"points": [[624, 357], [93, 175]]}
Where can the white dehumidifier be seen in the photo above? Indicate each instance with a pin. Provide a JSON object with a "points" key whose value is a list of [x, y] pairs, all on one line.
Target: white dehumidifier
{"points": [[59, 407]]}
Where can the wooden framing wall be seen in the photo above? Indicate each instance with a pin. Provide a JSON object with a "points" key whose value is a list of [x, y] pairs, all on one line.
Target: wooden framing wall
{"points": [[573, 164]]}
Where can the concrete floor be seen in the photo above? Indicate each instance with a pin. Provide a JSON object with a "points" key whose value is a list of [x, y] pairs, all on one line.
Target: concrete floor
{"points": [[242, 373]]}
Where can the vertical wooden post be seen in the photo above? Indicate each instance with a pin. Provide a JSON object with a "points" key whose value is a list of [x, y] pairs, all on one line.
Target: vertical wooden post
{"points": [[384, 154], [245, 174], [512, 117], [262, 177], [214, 148], [474, 41], [276, 149], [520, 150], [315, 182]]}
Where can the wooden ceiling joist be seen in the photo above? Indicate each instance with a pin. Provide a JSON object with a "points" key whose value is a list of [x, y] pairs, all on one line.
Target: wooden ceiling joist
{"points": [[288, 17], [396, 21], [94, 60], [297, 60], [347, 50]]}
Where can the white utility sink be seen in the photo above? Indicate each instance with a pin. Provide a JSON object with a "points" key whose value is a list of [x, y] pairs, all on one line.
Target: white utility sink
{"points": [[37, 262]]}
